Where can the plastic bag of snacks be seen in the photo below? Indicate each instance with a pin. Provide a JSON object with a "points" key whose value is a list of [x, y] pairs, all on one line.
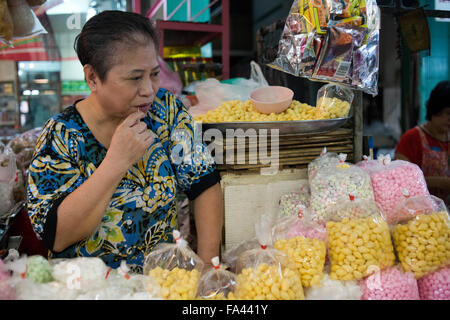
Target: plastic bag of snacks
{"points": [[290, 203], [23, 146], [330, 289], [436, 285], [359, 241], [305, 243], [7, 290], [25, 22], [230, 256], [81, 273], [390, 284], [175, 267], [217, 283], [266, 273], [334, 101], [8, 174], [422, 240], [325, 159], [39, 269], [390, 179], [367, 163], [333, 184], [6, 23]]}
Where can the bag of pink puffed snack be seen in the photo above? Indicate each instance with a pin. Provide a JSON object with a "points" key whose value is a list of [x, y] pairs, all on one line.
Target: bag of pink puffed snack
{"points": [[389, 180]]}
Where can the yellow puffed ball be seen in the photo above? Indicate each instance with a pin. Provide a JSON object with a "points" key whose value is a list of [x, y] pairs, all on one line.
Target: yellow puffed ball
{"points": [[176, 284]]}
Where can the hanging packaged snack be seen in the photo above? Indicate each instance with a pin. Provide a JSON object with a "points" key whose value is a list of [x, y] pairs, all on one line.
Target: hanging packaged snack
{"points": [[304, 241], [332, 185], [390, 179], [359, 241], [175, 267], [266, 273], [217, 283], [8, 175], [436, 285], [335, 60], [325, 159], [333, 101], [390, 284], [422, 238], [366, 64]]}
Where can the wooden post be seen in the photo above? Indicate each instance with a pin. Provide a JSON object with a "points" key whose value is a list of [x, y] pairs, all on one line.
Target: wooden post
{"points": [[358, 126]]}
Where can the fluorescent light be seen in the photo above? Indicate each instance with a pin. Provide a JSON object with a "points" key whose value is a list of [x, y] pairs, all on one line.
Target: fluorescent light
{"points": [[35, 92], [26, 92], [40, 81]]}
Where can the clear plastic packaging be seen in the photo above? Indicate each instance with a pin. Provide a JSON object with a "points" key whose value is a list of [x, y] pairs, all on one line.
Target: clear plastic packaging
{"points": [[26, 24], [291, 202], [334, 101], [422, 237], [390, 179], [266, 273], [304, 241], [7, 290], [436, 285], [217, 283], [333, 184], [367, 163], [35, 3], [6, 23], [175, 267], [39, 269], [390, 284], [230, 256], [8, 174], [325, 159], [23, 146], [330, 289], [359, 241]]}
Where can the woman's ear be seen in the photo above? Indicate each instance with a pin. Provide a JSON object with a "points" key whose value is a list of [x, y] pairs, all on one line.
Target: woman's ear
{"points": [[91, 77]]}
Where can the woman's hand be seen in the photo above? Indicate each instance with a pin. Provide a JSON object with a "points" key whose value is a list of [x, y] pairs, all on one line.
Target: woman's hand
{"points": [[129, 142]]}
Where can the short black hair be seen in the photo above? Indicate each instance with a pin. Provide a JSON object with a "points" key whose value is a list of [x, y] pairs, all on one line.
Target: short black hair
{"points": [[439, 99], [96, 43]]}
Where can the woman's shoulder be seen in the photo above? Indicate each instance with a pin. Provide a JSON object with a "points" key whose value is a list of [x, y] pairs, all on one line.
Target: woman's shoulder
{"points": [[65, 124]]}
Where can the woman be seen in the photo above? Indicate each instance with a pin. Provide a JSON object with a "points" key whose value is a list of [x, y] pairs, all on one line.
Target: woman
{"points": [[428, 145], [106, 171]]}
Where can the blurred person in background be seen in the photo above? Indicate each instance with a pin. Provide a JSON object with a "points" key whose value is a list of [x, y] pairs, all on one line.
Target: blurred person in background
{"points": [[427, 145]]}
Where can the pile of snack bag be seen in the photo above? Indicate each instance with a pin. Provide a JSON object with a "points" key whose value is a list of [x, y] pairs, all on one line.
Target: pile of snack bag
{"points": [[333, 41]]}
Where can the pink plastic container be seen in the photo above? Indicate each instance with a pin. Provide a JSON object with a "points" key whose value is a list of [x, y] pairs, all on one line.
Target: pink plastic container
{"points": [[271, 99]]}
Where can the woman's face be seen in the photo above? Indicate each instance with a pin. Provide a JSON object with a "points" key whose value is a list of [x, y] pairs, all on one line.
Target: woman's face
{"points": [[132, 83], [441, 121]]}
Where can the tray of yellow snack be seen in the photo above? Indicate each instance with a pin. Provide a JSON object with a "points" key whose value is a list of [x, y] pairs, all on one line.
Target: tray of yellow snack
{"points": [[299, 118]]}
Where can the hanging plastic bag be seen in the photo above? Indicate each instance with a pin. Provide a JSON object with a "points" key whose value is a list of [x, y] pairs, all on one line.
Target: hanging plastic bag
{"points": [[8, 174], [330, 289], [169, 79], [436, 285], [230, 256], [23, 146], [359, 241], [6, 23], [175, 267], [26, 24], [35, 3], [390, 284], [333, 101], [422, 240], [217, 283], [304, 241], [332, 185], [325, 159], [266, 273], [211, 93], [390, 179]]}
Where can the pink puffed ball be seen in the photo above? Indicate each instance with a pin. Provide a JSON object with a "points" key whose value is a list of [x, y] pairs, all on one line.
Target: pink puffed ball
{"points": [[7, 291], [390, 284], [436, 285]]}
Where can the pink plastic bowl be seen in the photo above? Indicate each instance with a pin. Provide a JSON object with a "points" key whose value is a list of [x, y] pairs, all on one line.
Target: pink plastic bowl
{"points": [[271, 99]]}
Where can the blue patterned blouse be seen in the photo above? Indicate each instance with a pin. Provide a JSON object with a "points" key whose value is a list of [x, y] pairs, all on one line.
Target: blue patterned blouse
{"points": [[142, 211]]}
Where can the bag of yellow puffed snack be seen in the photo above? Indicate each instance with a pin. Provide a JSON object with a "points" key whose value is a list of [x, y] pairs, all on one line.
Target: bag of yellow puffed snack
{"points": [[421, 234], [266, 273], [175, 267], [359, 241], [304, 241], [217, 283]]}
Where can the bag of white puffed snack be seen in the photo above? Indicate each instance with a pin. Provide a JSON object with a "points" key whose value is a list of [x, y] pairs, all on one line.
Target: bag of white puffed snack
{"points": [[290, 202], [325, 159], [175, 267], [230, 256], [305, 242], [367, 163], [217, 283], [359, 241], [333, 184], [266, 273], [330, 289], [421, 234]]}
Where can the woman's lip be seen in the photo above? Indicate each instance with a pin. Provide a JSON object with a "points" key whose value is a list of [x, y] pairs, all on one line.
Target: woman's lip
{"points": [[144, 108]]}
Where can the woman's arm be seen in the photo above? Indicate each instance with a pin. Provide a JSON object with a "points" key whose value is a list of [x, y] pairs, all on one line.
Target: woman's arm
{"points": [[80, 213], [208, 213]]}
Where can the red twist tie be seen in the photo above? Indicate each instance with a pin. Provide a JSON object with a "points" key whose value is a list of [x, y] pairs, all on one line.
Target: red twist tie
{"points": [[127, 276], [352, 197], [300, 214], [107, 273], [216, 267], [263, 246]]}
